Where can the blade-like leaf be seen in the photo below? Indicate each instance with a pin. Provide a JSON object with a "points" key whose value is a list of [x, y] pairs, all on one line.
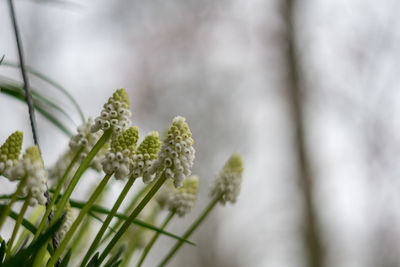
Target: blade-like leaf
{"points": [[25, 255], [2, 250], [39, 106], [93, 261], [50, 81], [2, 59], [36, 96], [99, 209], [27, 224], [116, 264], [114, 259], [65, 261]]}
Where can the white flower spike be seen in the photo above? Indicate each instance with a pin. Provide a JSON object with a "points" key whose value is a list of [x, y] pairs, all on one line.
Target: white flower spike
{"points": [[9, 152], [227, 183], [177, 152], [119, 157], [115, 114], [182, 200], [145, 156], [31, 169], [68, 221], [84, 140]]}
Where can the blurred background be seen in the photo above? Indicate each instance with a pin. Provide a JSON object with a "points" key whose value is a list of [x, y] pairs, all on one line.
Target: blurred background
{"points": [[307, 91]]}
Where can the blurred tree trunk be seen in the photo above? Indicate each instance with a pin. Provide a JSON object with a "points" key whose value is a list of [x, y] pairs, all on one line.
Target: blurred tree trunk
{"points": [[296, 100]]}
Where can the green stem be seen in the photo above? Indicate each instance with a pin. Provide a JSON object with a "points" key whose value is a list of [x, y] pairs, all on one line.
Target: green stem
{"points": [[78, 220], [17, 225], [190, 230], [131, 217], [55, 195], [34, 218], [82, 167], [14, 198], [107, 221], [154, 239], [127, 210]]}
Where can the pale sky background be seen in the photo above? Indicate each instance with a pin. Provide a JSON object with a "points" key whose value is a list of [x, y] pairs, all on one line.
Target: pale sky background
{"points": [[219, 64]]}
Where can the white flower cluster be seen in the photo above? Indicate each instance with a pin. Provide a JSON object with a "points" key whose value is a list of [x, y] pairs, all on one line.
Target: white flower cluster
{"points": [[180, 200], [183, 199], [119, 158], [227, 183], [117, 162], [9, 152], [115, 114], [177, 152], [145, 156], [84, 140], [59, 168], [30, 170], [68, 221]]}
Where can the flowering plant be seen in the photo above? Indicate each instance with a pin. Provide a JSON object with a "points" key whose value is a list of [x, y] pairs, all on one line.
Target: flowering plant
{"points": [[51, 228], [109, 145]]}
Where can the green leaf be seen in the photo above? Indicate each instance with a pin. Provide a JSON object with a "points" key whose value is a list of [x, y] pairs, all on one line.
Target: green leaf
{"points": [[116, 264], [115, 259], [93, 261], [50, 81], [99, 209], [25, 255], [41, 105], [65, 261], [2, 59], [2, 250], [25, 223]]}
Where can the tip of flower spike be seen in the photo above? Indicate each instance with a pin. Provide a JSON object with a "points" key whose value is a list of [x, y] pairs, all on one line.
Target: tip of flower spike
{"points": [[234, 164], [150, 145], [122, 96], [11, 148], [33, 153], [126, 140], [115, 114], [190, 185], [228, 182]]}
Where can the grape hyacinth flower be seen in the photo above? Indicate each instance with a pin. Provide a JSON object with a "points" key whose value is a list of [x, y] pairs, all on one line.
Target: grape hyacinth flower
{"points": [[145, 156], [182, 199], [227, 183], [31, 168], [119, 158], [83, 141], [9, 152], [68, 220], [177, 152], [115, 114]]}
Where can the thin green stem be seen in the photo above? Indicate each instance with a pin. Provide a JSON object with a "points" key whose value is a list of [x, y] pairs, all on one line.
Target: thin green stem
{"points": [[78, 220], [132, 216], [154, 239], [55, 195], [190, 230], [24, 235], [82, 167], [14, 198], [17, 225], [107, 221], [127, 210]]}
